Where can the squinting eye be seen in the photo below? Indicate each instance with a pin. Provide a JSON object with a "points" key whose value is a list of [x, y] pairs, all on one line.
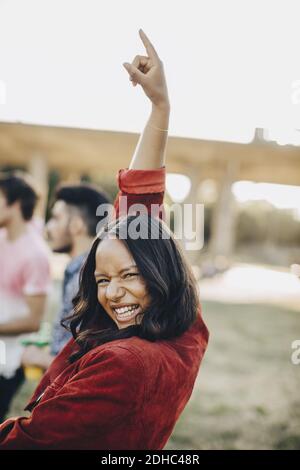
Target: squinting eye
{"points": [[101, 281], [131, 274]]}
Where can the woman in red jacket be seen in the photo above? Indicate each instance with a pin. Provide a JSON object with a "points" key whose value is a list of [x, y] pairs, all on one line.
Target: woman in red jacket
{"points": [[139, 337]]}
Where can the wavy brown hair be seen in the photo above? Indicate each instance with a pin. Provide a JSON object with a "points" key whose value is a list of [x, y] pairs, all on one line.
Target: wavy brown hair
{"points": [[169, 280]]}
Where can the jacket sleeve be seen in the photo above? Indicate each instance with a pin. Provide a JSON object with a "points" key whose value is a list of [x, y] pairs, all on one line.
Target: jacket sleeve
{"points": [[145, 187], [107, 389]]}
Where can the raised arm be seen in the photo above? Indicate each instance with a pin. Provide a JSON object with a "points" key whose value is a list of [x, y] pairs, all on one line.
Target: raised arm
{"points": [[144, 181], [148, 72]]}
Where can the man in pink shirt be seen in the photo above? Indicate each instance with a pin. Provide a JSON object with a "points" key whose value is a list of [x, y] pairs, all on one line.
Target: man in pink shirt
{"points": [[24, 279]]}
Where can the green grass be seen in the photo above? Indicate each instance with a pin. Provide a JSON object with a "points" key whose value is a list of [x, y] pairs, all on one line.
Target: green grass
{"points": [[247, 392]]}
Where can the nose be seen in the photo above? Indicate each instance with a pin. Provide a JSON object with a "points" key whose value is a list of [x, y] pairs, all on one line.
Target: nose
{"points": [[114, 291]]}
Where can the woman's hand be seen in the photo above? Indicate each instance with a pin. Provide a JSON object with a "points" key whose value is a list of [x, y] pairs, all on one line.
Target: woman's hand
{"points": [[148, 72]]}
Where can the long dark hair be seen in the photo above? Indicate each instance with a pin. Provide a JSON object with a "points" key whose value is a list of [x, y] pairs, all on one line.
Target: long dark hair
{"points": [[169, 281]]}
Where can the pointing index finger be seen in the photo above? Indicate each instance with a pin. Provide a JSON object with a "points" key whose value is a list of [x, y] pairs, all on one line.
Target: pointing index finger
{"points": [[148, 46]]}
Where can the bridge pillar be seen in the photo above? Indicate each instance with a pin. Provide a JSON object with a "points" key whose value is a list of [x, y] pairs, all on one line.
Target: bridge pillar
{"points": [[224, 216]]}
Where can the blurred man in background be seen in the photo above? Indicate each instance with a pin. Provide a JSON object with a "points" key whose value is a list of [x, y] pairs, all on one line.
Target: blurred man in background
{"points": [[71, 229], [24, 278]]}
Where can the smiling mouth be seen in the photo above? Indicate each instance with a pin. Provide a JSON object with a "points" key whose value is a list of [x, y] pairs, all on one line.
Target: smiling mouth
{"points": [[126, 313]]}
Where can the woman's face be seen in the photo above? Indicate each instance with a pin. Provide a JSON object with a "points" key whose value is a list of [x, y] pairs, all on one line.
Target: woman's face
{"points": [[121, 290]]}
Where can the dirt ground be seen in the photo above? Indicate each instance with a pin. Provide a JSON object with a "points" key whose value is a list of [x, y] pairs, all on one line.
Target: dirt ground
{"points": [[247, 395]]}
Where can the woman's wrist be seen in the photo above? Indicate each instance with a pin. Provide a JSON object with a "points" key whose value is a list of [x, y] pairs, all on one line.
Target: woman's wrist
{"points": [[160, 114], [163, 107]]}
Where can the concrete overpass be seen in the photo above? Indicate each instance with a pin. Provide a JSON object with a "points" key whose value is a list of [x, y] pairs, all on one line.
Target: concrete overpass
{"points": [[94, 152], [73, 152]]}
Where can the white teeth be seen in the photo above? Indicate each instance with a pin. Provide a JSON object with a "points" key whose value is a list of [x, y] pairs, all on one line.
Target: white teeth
{"points": [[126, 310]]}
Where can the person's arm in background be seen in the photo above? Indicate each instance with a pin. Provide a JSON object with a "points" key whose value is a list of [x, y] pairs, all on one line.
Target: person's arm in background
{"points": [[39, 357], [144, 181], [29, 323]]}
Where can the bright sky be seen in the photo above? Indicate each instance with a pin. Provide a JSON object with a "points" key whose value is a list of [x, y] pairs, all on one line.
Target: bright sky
{"points": [[231, 65], [281, 196]]}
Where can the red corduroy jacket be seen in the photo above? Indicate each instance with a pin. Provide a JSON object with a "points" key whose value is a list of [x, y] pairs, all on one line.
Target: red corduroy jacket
{"points": [[125, 394]]}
